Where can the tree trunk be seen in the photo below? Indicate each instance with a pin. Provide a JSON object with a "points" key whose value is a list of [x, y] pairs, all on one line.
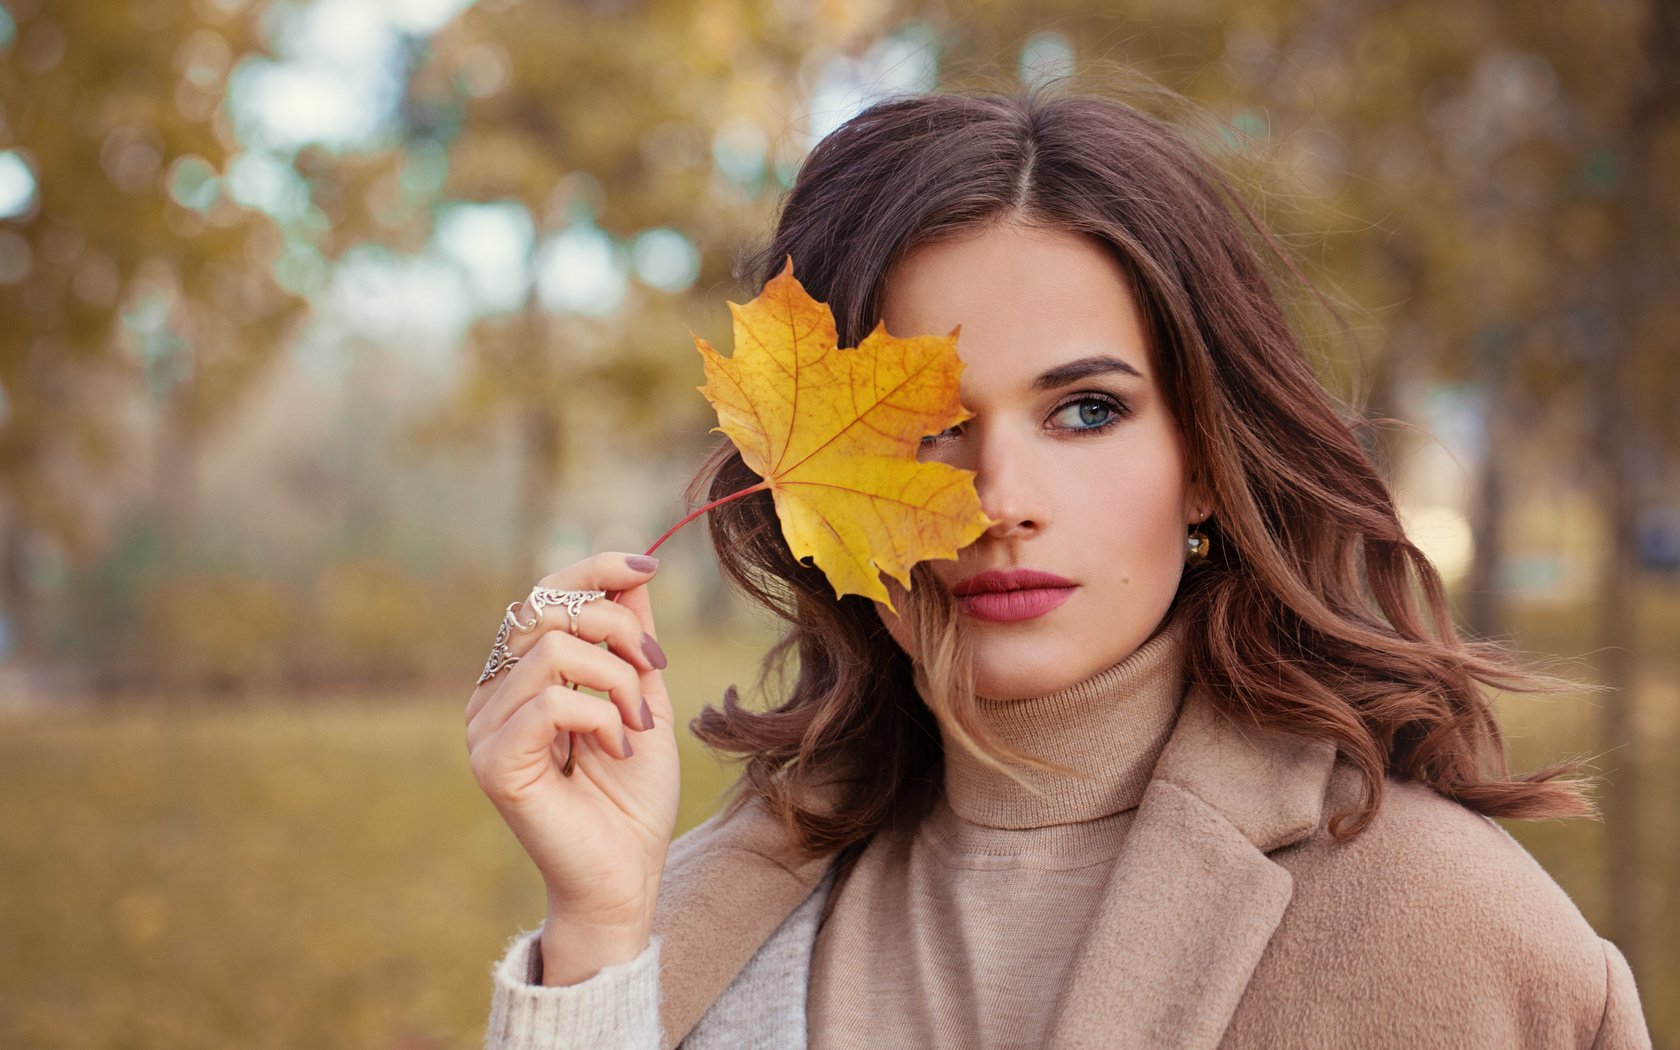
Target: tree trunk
{"points": [[1484, 602], [539, 447], [1617, 669], [18, 603], [175, 485]]}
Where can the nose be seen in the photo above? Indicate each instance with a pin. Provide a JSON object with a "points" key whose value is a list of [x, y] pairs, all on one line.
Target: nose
{"points": [[1011, 491]]}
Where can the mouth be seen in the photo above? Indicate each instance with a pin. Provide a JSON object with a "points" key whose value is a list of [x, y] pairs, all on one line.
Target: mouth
{"points": [[1004, 596], [1009, 606]]}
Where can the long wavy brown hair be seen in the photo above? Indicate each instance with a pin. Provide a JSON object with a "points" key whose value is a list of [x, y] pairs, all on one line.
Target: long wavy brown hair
{"points": [[1314, 614]]}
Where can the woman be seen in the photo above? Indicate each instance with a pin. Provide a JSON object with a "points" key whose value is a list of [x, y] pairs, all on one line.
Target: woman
{"points": [[1183, 751]]}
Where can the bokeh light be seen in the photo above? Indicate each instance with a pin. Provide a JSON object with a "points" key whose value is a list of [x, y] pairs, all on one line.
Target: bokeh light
{"points": [[17, 185], [492, 244], [905, 62], [264, 183], [665, 259], [1045, 58], [193, 183], [582, 270]]}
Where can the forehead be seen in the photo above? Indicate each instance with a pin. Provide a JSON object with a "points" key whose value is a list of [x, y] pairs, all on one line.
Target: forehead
{"points": [[1028, 299]]}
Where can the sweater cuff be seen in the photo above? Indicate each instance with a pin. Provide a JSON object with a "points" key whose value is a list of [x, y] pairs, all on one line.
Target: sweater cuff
{"points": [[617, 1009]]}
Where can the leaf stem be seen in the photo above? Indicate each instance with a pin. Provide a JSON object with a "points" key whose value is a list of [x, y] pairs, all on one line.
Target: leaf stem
{"points": [[714, 503], [612, 596]]}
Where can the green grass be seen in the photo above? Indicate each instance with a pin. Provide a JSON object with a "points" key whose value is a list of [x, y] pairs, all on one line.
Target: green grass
{"points": [[326, 874]]}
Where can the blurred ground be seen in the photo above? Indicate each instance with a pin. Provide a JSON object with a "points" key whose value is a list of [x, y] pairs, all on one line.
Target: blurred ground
{"points": [[318, 874]]}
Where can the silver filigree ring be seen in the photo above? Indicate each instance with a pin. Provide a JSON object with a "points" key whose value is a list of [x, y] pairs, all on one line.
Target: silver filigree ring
{"points": [[501, 657], [573, 601]]}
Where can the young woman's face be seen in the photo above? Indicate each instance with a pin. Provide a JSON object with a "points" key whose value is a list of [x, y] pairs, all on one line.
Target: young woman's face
{"points": [[1076, 455]]}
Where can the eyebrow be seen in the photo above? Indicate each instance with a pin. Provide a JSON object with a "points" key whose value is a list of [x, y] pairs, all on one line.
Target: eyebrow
{"points": [[1084, 368]]}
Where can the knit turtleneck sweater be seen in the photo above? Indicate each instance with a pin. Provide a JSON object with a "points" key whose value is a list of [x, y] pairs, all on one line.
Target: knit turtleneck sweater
{"points": [[958, 931]]}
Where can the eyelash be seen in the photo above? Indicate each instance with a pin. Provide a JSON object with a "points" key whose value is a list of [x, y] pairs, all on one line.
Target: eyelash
{"points": [[1119, 409]]}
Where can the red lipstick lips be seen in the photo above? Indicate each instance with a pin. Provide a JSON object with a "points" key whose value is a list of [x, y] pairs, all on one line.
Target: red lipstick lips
{"points": [[1002, 596]]}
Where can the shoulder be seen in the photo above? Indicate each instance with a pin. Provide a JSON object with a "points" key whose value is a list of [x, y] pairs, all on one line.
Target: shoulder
{"points": [[1428, 857], [1434, 904]]}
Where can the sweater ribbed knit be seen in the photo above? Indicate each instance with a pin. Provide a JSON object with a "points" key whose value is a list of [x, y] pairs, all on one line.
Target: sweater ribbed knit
{"points": [[958, 931]]}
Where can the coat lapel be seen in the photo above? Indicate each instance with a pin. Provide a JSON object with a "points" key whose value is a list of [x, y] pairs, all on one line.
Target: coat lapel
{"points": [[728, 885], [1194, 899]]}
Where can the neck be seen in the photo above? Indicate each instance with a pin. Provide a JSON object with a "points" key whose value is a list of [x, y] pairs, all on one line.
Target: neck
{"points": [[1108, 729]]}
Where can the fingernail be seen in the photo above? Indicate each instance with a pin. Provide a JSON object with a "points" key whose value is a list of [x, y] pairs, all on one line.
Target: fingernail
{"points": [[628, 750], [647, 716], [642, 562], [655, 655]]}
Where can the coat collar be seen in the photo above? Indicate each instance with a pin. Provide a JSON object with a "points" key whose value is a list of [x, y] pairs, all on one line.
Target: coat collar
{"points": [[727, 885], [1194, 899], [1192, 902]]}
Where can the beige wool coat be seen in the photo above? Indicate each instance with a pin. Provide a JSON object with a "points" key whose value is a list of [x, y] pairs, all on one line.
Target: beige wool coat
{"points": [[1231, 919]]}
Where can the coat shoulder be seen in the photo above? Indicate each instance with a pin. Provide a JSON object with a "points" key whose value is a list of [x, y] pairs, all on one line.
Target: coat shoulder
{"points": [[1423, 849], [1434, 903]]}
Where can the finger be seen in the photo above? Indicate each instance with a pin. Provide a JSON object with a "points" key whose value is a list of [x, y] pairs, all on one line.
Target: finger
{"points": [[560, 709], [654, 696], [537, 726], [637, 600], [607, 571], [559, 659]]}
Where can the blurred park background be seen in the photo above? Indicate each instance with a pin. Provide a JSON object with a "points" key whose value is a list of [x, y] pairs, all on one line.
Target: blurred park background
{"points": [[327, 326]]}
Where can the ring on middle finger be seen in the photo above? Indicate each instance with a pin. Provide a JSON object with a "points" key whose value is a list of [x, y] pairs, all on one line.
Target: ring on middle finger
{"points": [[574, 601]]}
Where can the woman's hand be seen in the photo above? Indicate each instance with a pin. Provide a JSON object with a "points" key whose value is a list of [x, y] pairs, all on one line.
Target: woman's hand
{"points": [[598, 836]]}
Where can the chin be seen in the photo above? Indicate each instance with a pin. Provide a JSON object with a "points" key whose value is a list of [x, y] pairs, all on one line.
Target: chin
{"points": [[1020, 680]]}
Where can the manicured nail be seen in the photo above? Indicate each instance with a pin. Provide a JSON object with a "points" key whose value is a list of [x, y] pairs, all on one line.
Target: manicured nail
{"points": [[642, 563], [628, 750], [647, 716], [655, 655]]}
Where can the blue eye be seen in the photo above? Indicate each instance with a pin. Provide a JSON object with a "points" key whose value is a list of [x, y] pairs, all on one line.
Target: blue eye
{"points": [[1092, 412], [1087, 413]]}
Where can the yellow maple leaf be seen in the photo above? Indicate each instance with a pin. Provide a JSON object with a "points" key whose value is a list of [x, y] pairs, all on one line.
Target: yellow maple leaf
{"points": [[834, 433]]}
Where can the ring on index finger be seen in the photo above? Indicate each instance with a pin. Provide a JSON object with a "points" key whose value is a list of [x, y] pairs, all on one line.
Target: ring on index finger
{"points": [[501, 657]]}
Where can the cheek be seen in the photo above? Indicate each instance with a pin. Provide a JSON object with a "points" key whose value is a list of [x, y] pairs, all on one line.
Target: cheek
{"points": [[1133, 506]]}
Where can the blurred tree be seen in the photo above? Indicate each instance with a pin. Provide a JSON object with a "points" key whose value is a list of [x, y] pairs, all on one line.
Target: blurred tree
{"points": [[131, 284], [618, 176]]}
